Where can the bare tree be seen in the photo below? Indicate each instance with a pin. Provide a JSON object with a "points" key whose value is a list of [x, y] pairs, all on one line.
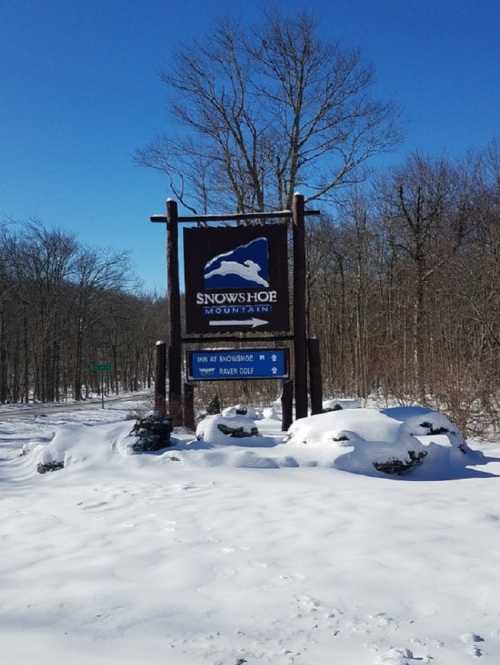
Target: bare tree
{"points": [[63, 307], [265, 111], [417, 207], [95, 274]]}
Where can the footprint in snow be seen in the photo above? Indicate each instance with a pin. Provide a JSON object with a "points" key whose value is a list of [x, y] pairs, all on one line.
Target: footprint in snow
{"points": [[382, 619], [92, 506], [307, 603], [401, 657], [472, 640]]}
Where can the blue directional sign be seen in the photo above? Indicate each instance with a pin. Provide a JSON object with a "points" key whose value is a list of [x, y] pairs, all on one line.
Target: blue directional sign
{"points": [[240, 364]]}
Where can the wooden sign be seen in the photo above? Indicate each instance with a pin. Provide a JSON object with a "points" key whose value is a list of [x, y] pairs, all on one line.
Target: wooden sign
{"points": [[101, 367], [236, 279]]}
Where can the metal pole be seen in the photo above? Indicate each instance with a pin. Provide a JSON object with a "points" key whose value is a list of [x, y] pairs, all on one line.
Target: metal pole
{"points": [[174, 364], [299, 306]]}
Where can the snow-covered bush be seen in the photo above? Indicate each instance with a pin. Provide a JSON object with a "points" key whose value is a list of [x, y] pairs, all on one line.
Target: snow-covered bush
{"points": [[422, 421], [150, 433], [214, 406], [71, 446], [49, 466], [393, 441], [220, 429]]}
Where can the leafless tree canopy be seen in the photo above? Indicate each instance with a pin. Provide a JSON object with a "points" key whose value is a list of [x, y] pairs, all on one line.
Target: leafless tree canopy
{"points": [[63, 307], [262, 112], [403, 287]]}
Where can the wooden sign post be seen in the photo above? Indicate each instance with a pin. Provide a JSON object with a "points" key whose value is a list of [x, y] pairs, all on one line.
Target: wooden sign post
{"points": [[299, 306], [174, 301], [238, 281], [160, 379]]}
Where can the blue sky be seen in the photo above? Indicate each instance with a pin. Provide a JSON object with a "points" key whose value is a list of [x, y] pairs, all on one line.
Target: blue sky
{"points": [[80, 91]]}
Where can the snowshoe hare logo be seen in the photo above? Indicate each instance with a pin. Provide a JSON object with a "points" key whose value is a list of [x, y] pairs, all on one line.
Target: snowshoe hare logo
{"points": [[246, 266]]}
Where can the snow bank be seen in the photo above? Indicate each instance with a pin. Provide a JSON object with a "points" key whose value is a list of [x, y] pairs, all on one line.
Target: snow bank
{"points": [[78, 446], [362, 441], [150, 559], [393, 441], [422, 421], [230, 429], [345, 427]]}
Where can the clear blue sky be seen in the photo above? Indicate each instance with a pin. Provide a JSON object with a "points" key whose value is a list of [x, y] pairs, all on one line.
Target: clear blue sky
{"points": [[79, 91]]}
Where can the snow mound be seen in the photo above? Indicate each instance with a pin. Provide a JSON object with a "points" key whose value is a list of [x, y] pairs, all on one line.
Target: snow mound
{"points": [[242, 410], [345, 427], [233, 457], [77, 446], [422, 421], [220, 429], [251, 460], [389, 443], [340, 403], [398, 657]]}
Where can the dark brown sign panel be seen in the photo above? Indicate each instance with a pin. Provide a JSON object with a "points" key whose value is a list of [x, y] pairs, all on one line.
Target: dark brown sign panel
{"points": [[236, 279]]}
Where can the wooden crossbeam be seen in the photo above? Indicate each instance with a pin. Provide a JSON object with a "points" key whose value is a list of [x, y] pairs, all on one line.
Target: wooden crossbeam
{"points": [[233, 217]]}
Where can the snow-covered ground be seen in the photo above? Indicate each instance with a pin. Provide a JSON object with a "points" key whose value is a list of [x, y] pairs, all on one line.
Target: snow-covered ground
{"points": [[114, 402], [240, 553]]}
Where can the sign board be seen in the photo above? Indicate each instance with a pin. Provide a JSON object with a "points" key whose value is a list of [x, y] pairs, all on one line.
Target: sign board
{"points": [[237, 364], [101, 367], [236, 279]]}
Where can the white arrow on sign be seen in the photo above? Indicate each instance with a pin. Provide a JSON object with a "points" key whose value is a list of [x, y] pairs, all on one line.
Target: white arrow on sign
{"points": [[253, 323]]}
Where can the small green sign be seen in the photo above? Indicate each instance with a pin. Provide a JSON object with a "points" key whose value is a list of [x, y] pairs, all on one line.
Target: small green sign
{"points": [[101, 367]]}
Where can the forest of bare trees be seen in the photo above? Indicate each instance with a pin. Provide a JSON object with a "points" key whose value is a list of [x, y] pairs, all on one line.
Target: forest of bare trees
{"points": [[64, 307], [403, 265], [402, 291], [404, 286]]}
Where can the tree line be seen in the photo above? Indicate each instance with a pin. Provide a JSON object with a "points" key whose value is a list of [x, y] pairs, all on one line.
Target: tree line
{"points": [[65, 307], [403, 287]]}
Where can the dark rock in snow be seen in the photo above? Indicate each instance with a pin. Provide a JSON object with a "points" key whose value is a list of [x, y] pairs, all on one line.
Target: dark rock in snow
{"points": [[241, 411], [398, 467], [237, 432], [49, 466], [435, 430]]}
